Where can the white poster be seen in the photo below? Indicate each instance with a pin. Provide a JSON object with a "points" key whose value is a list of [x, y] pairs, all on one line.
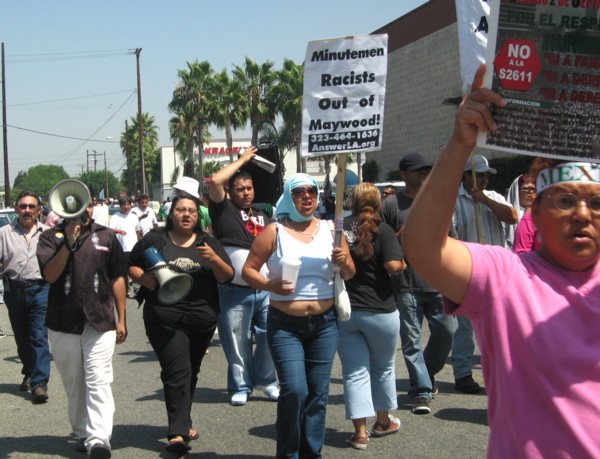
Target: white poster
{"points": [[472, 19], [344, 95]]}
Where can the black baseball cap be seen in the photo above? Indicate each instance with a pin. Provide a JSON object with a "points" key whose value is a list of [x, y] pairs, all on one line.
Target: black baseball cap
{"points": [[413, 162]]}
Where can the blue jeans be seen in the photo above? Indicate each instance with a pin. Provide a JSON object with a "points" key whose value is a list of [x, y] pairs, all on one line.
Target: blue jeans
{"points": [[27, 313], [367, 350], [303, 349], [422, 364], [243, 314], [463, 348]]}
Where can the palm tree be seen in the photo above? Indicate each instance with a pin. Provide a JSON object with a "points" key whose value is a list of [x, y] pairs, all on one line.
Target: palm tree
{"points": [[256, 81], [286, 96], [130, 146], [190, 104], [228, 108]]}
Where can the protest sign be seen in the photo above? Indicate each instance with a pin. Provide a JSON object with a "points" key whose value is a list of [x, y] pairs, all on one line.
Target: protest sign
{"points": [[543, 57], [344, 95], [472, 22]]}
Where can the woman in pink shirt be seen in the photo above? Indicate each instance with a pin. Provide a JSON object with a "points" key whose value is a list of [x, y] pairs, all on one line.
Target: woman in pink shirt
{"points": [[536, 315]]}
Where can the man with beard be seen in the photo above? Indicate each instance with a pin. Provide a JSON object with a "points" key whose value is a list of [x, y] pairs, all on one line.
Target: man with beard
{"points": [[236, 223], [26, 294]]}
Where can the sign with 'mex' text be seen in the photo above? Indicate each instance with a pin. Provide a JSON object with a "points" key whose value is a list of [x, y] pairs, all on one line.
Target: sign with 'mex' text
{"points": [[344, 95], [543, 57]]}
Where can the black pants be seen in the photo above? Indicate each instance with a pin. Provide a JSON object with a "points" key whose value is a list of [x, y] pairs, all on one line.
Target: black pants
{"points": [[179, 351]]}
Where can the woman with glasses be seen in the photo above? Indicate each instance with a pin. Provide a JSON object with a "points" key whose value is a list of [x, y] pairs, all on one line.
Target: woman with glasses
{"points": [[520, 195], [539, 338], [302, 327], [180, 333], [525, 237]]}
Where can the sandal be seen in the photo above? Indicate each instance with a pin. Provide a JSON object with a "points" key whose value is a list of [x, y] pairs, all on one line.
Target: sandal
{"points": [[393, 426], [193, 434], [177, 445], [358, 442]]}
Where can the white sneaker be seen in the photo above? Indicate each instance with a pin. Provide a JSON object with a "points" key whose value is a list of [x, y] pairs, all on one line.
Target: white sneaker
{"points": [[272, 392], [239, 399]]}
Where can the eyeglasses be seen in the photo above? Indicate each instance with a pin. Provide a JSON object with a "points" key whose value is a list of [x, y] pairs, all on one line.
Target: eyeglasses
{"points": [[528, 190], [28, 206], [189, 210], [311, 192], [568, 202]]}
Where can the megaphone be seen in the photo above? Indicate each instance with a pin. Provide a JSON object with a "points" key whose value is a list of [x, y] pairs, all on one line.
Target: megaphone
{"points": [[173, 286], [69, 198]]}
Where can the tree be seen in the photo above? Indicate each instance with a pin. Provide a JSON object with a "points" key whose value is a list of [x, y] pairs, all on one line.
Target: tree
{"points": [[40, 179], [256, 81], [227, 106], [96, 182], [131, 178], [286, 97], [190, 104]]}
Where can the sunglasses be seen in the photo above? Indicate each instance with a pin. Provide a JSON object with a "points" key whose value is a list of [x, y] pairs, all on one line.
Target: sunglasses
{"points": [[311, 192], [28, 206]]}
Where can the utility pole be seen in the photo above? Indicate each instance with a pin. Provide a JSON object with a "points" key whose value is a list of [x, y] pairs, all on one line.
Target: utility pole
{"points": [[129, 162], [4, 135], [107, 192], [140, 122]]}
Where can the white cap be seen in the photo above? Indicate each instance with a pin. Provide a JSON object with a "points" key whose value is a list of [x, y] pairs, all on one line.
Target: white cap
{"points": [[188, 185]]}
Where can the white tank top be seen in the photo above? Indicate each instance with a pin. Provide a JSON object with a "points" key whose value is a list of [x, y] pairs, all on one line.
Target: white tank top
{"points": [[315, 280]]}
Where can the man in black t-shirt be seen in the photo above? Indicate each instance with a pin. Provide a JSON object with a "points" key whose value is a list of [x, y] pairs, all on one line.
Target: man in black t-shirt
{"points": [[416, 299], [236, 223]]}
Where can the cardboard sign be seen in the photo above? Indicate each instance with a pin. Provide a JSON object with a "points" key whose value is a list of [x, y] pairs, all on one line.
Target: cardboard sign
{"points": [[344, 95], [543, 57]]}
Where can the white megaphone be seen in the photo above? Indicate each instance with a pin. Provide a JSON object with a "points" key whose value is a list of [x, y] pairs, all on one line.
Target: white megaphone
{"points": [[69, 198], [173, 286]]}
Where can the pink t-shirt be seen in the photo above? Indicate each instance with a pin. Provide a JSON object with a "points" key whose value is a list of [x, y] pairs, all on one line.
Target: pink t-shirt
{"points": [[538, 328], [526, 235]]}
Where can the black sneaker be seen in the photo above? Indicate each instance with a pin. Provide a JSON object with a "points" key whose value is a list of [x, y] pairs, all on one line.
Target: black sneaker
{"points": [[467, 385], [420, 405], [99, 451]]}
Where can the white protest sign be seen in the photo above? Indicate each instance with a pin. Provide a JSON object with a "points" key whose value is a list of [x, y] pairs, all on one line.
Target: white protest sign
{"points": [[472, 18], [344, 95]]}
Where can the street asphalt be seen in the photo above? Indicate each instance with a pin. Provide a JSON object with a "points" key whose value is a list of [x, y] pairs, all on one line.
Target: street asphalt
{"points": [[456, 427]]}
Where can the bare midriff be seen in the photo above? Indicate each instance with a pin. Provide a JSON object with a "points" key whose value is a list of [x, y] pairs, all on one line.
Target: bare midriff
{"points": [[303, 308]]}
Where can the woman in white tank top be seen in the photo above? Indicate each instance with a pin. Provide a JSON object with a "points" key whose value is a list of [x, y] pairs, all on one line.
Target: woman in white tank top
{"points": [[302, 327]]}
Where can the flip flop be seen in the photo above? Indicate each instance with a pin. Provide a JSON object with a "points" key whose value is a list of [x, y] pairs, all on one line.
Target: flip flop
{"points": [[193, 434], [177, 445]]}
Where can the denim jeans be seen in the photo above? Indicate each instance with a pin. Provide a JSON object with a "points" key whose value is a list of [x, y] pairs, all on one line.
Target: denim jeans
{"points": [[424, 363], [303, 349], [244, 314], [367, 350], [27, 313], [463, 348]]}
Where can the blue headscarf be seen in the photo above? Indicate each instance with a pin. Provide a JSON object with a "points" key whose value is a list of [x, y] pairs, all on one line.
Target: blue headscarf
{"points": [[285, 207]]}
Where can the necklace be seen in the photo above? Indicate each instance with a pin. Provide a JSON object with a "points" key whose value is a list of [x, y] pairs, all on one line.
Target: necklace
{"points": [[305, 233]]}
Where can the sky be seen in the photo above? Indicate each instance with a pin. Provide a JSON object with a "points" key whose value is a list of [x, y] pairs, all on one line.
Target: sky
{"points": [[71, 73]]}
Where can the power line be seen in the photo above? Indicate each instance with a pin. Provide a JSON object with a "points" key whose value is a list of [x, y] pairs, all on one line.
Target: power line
{"points": [[69, 56], [61, 136], [71, 98]]}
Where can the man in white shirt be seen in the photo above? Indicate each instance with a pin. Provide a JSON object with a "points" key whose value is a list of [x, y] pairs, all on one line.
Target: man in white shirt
{"points": [[100, 214], [145, 215], [127, 228]]}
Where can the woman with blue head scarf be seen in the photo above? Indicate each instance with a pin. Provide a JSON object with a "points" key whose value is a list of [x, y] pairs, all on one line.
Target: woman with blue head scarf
{"points": [[302, 327]]}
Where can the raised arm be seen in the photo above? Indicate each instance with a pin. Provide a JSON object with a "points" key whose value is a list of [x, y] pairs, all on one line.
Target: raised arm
{"points": [[216, 188], [442, 261]]}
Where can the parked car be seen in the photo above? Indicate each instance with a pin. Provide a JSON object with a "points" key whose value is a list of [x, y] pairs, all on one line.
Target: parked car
{"points": [[9, 213]]}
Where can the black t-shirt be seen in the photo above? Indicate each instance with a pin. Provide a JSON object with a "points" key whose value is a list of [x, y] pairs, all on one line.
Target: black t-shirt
{"points": [[371, 288], [200, 307], [394, 212], [234, 226]]}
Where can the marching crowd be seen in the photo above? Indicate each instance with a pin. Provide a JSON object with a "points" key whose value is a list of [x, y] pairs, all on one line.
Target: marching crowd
{"points": [[520, 275]]}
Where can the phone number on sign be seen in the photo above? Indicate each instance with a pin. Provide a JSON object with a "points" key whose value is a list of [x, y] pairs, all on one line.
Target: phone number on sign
{"points": [[357, 135]]}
